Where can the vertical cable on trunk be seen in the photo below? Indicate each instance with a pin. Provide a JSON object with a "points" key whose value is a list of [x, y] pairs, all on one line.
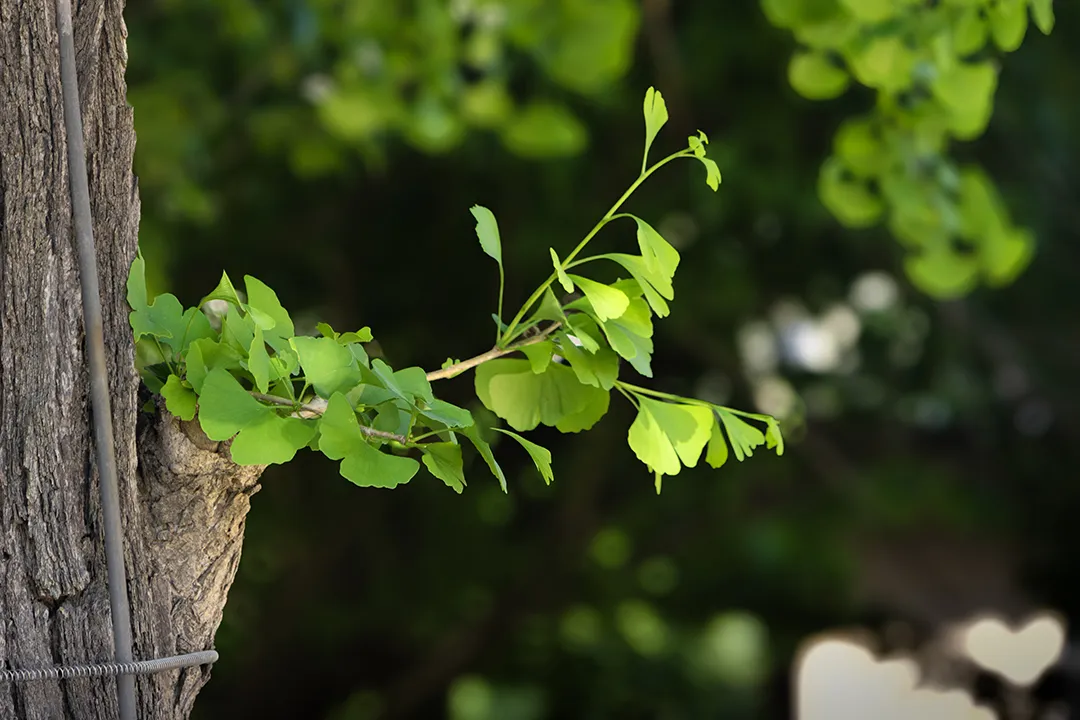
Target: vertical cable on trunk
{"points": [[95, 350]]}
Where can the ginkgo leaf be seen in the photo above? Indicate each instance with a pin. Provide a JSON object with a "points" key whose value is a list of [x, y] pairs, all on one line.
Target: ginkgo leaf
{"points": [[340, 438], [511, 390], [743, 436], [487, 231], [179, 400], [608, 302], [443, 460], [261, 298], [273, 440], [656, 115], [225, 408], [659, 255], [666, 435], [599, 369], [328, 367], [259, 361], [224, 291], [717, 452], [482, 446], [563, 279], [539, 355], [541, 456]]}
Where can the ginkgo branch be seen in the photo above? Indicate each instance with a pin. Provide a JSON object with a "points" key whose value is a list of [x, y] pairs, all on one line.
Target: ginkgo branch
{"points": [[317, 407], [493, 353]]}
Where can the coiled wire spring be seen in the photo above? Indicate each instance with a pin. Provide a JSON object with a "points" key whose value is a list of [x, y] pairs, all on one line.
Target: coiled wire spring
{"points": [[138, 667]]}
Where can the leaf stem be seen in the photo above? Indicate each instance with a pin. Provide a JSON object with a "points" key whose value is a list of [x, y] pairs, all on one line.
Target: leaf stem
{"points": [[608, 216], [662, 395], [495, 352]]}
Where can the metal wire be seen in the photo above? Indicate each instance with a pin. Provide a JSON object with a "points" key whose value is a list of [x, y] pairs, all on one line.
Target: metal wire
{"points": [[137, 667], [95, 350]]}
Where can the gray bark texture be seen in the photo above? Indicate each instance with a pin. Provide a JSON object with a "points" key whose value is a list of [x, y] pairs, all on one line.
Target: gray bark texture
{"points": [[182, 499]]}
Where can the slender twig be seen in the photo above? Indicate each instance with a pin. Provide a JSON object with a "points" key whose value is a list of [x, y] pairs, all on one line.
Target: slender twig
{"points": [[496, 352], [318, 407]]}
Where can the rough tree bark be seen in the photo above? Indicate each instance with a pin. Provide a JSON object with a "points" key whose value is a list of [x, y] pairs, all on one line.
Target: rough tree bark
{"points": [[183, 501]]}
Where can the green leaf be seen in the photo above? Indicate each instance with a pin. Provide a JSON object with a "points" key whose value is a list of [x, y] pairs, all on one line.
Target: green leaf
{"points": [[328, 367], [666, 433], [238, 330], [659, 255], [599, 369], [607, 302], [271, 441], [260, 297], [848, 198], [773, 437], [410, 384], [1043, 11], [164, 318], [563, 279], [443, 460], [743, 436], [225, 408], [549, 309], [541, 457], [815, 77], [966, 90], [656, 115], [584, 419], [340, 439], [585, 329], [362, 335], [179, 400], [487, 230], [473, 433], [630, 334], [712, 172], [1008, 23], [511, 390], [136, 283], [224, 291], [539, 355], [449, 415], [205, 355], [717, 453], [259, 361]]}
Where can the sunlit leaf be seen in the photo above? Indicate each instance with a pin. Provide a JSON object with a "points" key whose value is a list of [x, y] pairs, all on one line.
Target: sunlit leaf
{"points": [[742, 436], [563, 279], [511, 390], [607, 302], [656, 115]]}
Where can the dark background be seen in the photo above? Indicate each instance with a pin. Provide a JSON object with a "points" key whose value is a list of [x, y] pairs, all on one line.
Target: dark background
{"points": [[932, 476]]}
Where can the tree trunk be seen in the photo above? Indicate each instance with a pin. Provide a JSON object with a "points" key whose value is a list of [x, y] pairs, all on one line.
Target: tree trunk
{"points": [[182, 500]]}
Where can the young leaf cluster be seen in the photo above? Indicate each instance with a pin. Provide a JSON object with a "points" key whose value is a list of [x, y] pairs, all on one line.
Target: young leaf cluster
{"points": [[235, 362]]}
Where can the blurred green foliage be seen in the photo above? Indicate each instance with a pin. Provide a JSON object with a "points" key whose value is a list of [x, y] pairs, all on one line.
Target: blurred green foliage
{"points": [[934, 70], [594, 598]]}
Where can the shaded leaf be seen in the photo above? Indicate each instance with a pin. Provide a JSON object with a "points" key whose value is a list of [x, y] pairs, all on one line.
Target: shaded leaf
{"points": [[541, 456], [179, 400], [443, 460]]}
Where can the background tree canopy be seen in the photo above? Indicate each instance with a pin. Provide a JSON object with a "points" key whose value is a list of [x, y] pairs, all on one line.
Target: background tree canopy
{"points": [[889, 267]]}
